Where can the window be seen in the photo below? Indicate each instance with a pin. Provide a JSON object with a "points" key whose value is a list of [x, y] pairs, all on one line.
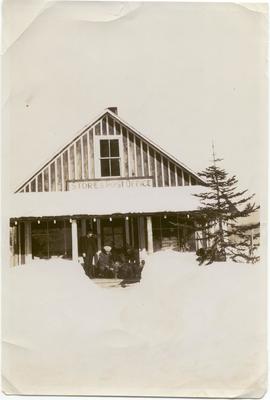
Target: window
{"points": [[109, 157]]}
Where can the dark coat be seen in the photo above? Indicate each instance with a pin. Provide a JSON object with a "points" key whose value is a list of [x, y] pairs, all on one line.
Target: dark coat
{"points": [[104, 260], [89, 247]]}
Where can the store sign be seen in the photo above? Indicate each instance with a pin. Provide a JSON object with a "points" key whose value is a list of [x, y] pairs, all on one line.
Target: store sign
{"points": [[109, 183]]}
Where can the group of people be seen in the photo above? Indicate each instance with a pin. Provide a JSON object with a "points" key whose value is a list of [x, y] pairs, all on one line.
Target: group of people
{"points": [[110, 262]]}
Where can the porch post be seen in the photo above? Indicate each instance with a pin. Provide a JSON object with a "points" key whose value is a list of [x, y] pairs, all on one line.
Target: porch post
{"points": [[74, 234], [19, 244], [83, 225], [142, 237], [28, 242], [127, 231], [149, 234], [13, 233], [132, 231], [65, 238], [141, 233], [98, 234]]}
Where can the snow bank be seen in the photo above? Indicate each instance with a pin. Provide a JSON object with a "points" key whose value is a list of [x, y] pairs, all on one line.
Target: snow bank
{"points": [[183, 331]]}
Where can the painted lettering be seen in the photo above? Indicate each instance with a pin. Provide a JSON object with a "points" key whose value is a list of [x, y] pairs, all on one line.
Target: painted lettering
{"points": [[110, 183]]}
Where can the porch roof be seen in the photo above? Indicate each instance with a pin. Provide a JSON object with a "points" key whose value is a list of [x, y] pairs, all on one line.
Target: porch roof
{"points": [[105, 202]]}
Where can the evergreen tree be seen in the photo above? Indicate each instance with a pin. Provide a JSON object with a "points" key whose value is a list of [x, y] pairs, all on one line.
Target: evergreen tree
{"points": [[223, 207]]}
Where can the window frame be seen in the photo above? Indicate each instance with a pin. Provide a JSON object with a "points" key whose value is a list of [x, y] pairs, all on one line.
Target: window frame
{"points": [[98, 157]]}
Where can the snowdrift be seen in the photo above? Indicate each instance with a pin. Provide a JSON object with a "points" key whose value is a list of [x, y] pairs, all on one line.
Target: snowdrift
{"points": [[183, 331]]}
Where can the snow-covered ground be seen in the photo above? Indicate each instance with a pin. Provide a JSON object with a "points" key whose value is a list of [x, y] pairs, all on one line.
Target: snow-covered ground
{"points": [[184, 330]]}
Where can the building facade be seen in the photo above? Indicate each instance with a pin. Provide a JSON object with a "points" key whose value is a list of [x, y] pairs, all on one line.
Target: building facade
{"points": [[108, 163]]}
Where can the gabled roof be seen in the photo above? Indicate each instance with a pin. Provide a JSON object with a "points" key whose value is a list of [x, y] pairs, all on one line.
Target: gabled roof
{"points": [[128, 126]]}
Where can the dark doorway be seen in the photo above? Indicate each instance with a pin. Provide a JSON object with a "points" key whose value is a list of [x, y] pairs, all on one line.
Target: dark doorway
{"points": [[113, 232]]}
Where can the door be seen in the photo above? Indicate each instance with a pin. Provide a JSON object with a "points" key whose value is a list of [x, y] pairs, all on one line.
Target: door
{"points": [[113, 232]]}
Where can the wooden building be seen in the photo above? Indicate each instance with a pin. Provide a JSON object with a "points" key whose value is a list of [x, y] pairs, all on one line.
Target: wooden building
{"points": [[113, 179]]}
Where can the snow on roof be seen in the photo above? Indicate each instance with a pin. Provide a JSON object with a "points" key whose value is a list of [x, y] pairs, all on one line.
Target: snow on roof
{"points": [[105, 201]]}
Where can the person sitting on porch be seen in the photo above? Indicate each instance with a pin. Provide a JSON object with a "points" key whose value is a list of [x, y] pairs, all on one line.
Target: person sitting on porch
{"points": [[135, 266], [116, 269], [132, 254], [118, 260], [105, 267]]}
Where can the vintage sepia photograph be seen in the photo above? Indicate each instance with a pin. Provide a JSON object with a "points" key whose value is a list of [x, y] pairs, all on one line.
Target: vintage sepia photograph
{"points": [[134, 198]]}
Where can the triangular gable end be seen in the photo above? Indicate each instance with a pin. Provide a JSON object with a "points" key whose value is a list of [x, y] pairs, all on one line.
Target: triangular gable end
{"points": [[141, 158], [158, 149]]}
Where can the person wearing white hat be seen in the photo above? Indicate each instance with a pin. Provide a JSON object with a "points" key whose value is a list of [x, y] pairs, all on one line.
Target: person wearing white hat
{"points": [[105, 262]]}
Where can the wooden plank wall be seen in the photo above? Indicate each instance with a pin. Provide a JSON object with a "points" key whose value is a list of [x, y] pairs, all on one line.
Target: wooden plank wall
{"points": [[76, 161]]}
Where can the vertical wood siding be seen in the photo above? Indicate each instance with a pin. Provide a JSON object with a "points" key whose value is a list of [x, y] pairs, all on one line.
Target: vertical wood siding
{"points": [[53, 186], [77, 161], [165, 171], [125, 152], [131, 155], [111, 126], [172, 175], [91, 154], [39, 180], [33, 185], [139, 158], [152, 166], [117, 128], [72, 162], [65, 165], [104, 126], [46, 180], [85, 156], [186, 178], [179, 177], [193, 181], [97, 129], [59, 174], [159, 171], [145, 160]]}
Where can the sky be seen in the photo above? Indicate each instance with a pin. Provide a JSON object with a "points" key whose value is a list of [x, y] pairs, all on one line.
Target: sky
{"points": [[183, 74]]}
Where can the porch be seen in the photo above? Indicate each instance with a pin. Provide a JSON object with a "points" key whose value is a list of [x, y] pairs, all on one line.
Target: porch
{"points": [[48, 225], [61, 237]]}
